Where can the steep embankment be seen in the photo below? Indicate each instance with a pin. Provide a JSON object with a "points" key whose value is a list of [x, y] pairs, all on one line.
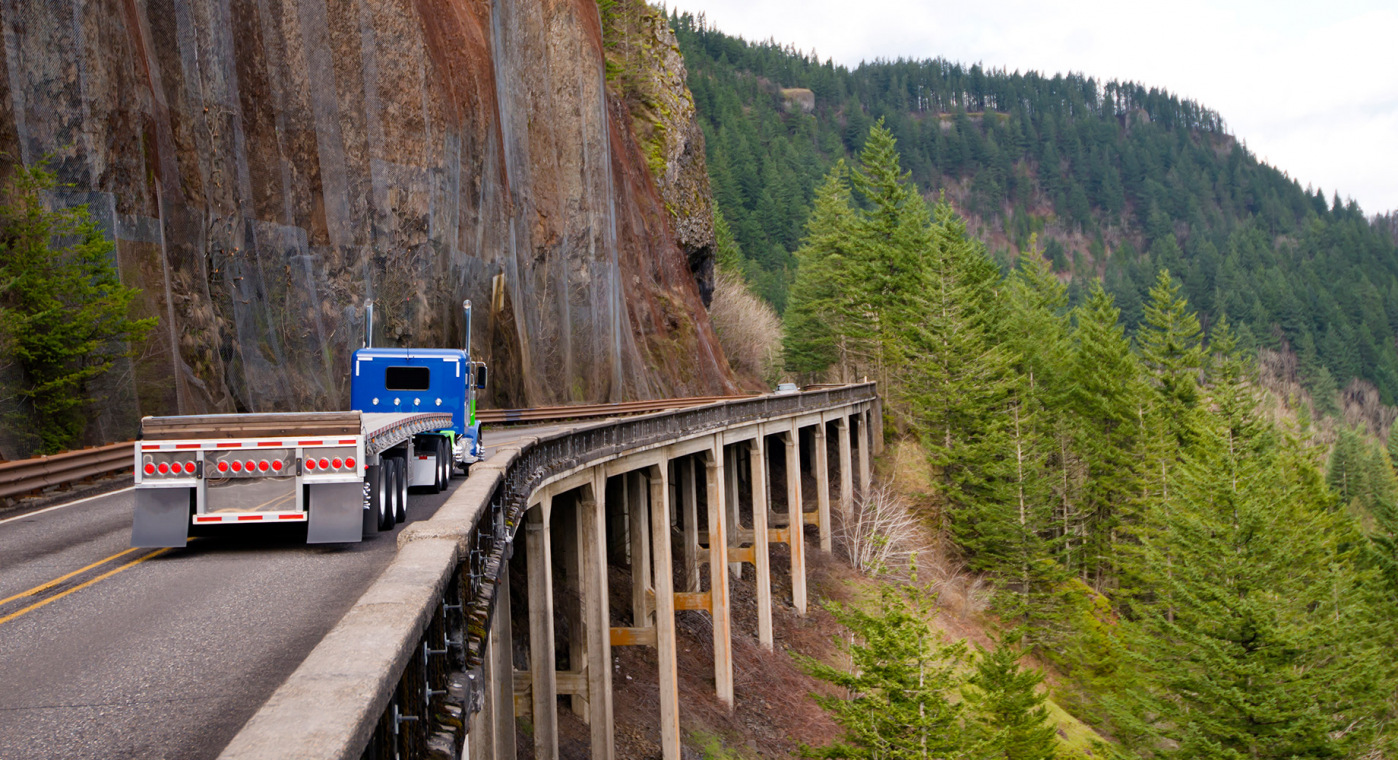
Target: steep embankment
{"points": [[266, 165]]}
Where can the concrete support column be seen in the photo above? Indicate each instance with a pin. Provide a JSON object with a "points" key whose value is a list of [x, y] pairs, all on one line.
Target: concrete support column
{"points": [[718, 574], [665, 614], [795, 522], [761, 555], [544, 681], [566, 532], [876, 414], [821, 460], [500, 674], [864, 478], [846, 474], [689, 498], [730, 483], [640, 548], [597, 662]]}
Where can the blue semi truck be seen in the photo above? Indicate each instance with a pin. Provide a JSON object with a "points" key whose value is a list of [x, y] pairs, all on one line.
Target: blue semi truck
{"points": [[346, 475]]}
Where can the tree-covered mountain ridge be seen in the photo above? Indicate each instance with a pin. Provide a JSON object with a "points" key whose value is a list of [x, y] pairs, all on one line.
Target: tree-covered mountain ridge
{"points": [[1117, 180]]}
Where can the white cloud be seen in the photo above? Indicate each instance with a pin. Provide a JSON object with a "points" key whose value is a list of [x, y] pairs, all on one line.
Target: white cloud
{"points": [[1311, 88]]}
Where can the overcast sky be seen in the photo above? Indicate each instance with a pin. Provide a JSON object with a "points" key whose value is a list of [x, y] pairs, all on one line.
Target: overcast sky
{"points": [[1311, 87]]}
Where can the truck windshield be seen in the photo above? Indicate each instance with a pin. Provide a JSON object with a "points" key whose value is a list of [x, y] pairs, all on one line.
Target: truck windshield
{"points": [[407, 378]]}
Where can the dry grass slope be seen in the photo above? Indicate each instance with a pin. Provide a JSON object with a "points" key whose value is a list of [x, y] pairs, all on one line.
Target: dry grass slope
{"points": [[749, 331]]}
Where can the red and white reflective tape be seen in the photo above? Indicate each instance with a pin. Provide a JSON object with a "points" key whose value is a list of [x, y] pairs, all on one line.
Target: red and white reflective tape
{"points": [[236, 517], [284, 443]]}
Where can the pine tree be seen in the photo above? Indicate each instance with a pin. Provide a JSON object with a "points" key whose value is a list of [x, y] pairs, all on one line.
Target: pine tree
{"points": [[1107, 398], [63, 309], [961, 394], [1262, 637], [826, 317], [1006, 716], [1171, 352], [902, 683]]}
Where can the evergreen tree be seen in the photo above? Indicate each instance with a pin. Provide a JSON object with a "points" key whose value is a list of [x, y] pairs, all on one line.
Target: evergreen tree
{"points": [[1263, 638], [1107, 400], [1006, 716], [1171, 352], [63, 309], [961, 394], [826, 320], [902, 683]]}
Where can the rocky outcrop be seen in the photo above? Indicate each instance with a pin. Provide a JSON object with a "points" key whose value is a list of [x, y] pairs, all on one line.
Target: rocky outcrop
{"points": [[648, 71], [267, 165]]}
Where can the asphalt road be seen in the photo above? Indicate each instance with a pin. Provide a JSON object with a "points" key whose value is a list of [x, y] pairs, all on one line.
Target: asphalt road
{"points": [[110, 652]]}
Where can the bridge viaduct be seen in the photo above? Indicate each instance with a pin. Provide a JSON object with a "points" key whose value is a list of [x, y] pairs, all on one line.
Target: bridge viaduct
{"points": [[677, 504]]}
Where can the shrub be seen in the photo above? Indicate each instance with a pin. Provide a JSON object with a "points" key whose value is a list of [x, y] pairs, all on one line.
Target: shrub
{"points": [[749, 330]]}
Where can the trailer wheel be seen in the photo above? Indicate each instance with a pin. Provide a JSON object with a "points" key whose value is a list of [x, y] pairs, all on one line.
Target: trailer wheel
{"points": [[443, 464], [401, 505], [379, 499], [391, 476]]}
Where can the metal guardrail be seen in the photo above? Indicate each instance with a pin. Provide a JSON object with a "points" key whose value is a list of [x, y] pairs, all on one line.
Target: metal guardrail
{"points": [[25, 475], [431, 610], [588, 411]]}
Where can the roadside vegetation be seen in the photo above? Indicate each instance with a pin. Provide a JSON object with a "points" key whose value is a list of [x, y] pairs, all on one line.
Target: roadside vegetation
{"points": [[1203, 577], [63, 311]]}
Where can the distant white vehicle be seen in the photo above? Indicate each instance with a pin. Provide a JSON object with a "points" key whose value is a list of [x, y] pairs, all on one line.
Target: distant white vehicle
{"points": [[787, 388]]}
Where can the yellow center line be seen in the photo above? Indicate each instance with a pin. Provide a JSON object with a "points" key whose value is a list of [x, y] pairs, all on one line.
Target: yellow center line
{"points": [[62, 578], [81, 586]]}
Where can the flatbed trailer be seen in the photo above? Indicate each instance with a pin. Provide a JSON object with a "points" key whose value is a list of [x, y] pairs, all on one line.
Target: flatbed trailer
{"points": [[344, 474]]}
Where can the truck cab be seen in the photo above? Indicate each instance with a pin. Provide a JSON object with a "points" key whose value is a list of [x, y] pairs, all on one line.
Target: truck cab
{"points": [[415, 380]]}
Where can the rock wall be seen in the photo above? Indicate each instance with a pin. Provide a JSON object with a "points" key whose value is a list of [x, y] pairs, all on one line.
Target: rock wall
{"points": [[266, 165]]}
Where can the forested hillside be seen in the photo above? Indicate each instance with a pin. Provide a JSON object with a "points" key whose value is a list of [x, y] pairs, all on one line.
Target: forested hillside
{"points": [[1117, 180], [1207, 577]]}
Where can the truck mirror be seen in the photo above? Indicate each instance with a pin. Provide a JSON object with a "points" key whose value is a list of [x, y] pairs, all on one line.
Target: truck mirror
{"points": [[480, 377]]}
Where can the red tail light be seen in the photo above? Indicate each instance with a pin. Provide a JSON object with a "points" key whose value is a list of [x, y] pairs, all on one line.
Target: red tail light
{"points": [[324, 463], [223, 465], [263, 465], [349, 462], [237, 466], [150, 468], [310, 464], [189, 468], [277, 465], [164, 468], [337, 463]]}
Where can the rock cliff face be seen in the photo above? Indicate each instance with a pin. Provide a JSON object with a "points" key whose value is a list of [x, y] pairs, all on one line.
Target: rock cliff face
{"points": [[266, 165]]}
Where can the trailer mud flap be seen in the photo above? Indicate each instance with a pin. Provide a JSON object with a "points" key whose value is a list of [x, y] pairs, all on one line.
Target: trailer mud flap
{"points": [[337, 513], [161, 518]]}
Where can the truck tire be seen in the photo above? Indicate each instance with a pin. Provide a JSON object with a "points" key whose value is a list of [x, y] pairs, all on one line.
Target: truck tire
{"points": [[400, 512], [443, 466], [379, 501], [391, 476]]}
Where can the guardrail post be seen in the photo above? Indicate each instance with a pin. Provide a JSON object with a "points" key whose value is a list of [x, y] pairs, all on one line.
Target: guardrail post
{"points": [[718, 572], [592, 513], [665, 614], [500, 674], [544, 683], [762, 558], [822, 478], [795, 521]]}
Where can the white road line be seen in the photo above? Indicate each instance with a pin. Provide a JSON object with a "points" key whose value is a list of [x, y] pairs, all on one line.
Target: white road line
{"points": [[68, 504]]}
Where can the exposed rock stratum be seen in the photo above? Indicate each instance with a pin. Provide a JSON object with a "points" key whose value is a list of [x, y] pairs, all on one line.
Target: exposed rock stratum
{"points": [[266, 165]]}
